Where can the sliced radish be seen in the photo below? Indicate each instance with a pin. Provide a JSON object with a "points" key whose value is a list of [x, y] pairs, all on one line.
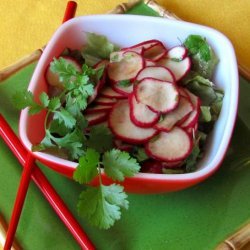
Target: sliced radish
{"points": [[183, 93], [123, 146], [171, 118], [160, 96], [105, 101], [108, 92], [155, 52], [149, 62], [141, 46], [123, 90], [99, 85], [96, 118], [179, 69], [157, 72], [53, 78], [193, 117], [141, 115], [97, 109], [171, 146], [127, 68], [124, 129], [177, 53]]}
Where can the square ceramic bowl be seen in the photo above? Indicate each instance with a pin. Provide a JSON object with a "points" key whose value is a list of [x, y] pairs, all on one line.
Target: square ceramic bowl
{"points": [[126, 30]]}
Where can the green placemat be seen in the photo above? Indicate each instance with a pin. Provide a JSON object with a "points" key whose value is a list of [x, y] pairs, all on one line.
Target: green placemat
{"points": [[194, 219]]}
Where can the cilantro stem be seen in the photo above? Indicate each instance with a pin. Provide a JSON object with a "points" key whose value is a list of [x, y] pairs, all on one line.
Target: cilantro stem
{"points": [[99, 173]]}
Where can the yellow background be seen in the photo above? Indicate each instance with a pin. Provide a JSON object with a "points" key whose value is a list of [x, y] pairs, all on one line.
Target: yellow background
{"points": [[26, 25]]}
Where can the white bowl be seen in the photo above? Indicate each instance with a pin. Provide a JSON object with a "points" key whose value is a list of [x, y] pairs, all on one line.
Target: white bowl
{"points": [[126, 30]]}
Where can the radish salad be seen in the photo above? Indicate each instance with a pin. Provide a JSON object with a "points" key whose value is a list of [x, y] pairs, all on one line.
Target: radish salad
{"points": [[144, 108]]}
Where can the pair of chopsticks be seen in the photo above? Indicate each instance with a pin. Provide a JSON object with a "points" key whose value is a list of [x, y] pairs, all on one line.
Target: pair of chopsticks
{"points": [[31, 170]]}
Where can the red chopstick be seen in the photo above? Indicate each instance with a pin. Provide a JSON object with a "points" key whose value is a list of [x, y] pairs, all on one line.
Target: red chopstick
{"points": [[70, 11], [20, 198], [51, 195], [45, 187]]}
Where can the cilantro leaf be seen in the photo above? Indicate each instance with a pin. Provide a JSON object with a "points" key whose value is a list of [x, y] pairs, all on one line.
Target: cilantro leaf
{"points": [[124, 83], [87, 167], [72, 142], [54, 104], [119, 164], [64, 117], [97, 47], [197, 44], [65, 70], [24, 99], [140, 154], [203, 56], [44, 98], [100, 138], [102, 205]]}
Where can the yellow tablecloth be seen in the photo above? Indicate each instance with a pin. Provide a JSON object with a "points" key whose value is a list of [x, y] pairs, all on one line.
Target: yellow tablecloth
{"points": [[28, 25]]}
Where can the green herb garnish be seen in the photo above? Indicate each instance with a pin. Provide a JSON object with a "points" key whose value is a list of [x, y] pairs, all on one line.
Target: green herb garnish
{"points": [[64, 125], [124, 83]]}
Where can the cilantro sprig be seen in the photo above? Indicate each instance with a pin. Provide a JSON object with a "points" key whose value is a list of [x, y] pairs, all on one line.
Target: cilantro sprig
{"points": [[102, 205], [93, 150]]}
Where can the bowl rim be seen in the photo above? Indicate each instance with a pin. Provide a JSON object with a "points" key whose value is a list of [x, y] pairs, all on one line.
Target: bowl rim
{"points": [[222, 148]]}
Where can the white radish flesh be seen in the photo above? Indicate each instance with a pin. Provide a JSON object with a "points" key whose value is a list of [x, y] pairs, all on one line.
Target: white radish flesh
{"points": [[171, 118], [178, 53], [160, 96], [193, 117], [96, 118], [155, 52], [141, 115], [105, 101], [157, 72], [108, 92], [171, 146], [127, 68], [124, 129], [179, 69]]}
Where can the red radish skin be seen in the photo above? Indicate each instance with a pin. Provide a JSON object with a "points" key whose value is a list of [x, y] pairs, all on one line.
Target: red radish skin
{"points": [[156, 72], [97, 109], [141, 115], [105, 101], [177, 52], [171, 146], [127, 68], [108, 92], [155, 52], [160, 96], [183, 93], [171, 118], [124, 129], [124, 91], [53, 78], [179, 69], [141, 46], [96, 118], [193, 117]]}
